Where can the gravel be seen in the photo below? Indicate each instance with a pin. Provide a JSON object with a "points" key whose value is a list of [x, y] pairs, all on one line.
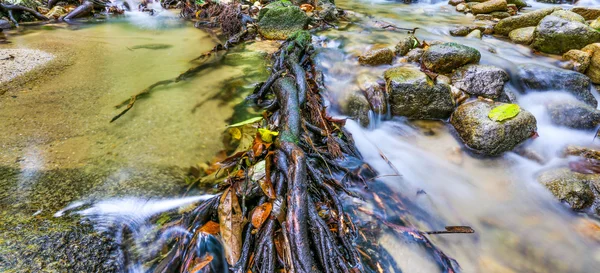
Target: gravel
{"points": [[16, 62]]}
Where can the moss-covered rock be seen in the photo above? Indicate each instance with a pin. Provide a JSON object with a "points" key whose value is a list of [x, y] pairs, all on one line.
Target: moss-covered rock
{"points": [[357, 107], [593, 71], [557, 35], [480, 80], [570, 187], [595, 24], [405, 45], [489, 137], [415, 55], [414, 95], [538, 78], [489, 6], [568, 15], [375, 57], [529, 19], [573, 114], [278, 23], [518, 3], [522, 35], [444, 58]]}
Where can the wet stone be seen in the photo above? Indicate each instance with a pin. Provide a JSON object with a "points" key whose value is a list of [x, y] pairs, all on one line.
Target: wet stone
{"points": [[480, 80], [588, 13], [580, 60], [529, 19], [443, 58], [561, 32], [489, 6], [570, 187], [522, 35], [573, 114], [593, 71], [376, 57], [486, 136]]}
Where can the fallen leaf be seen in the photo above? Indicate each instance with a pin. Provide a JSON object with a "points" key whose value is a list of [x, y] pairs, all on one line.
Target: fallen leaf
{"points": [[235, 133], [201, 263], [307, 7], [211, 227], [459, 229], [260, 214], [248, 121], [504, 112], [267, 135], [231, 222]]}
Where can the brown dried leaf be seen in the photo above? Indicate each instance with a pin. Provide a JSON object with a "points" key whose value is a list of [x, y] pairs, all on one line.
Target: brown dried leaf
{"points": [[267, 187], [459, 229], [201, 263], [231, 220], [211, 227], [260, 214]]}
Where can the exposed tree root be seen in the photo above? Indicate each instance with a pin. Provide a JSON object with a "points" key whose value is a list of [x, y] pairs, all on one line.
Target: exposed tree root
{"points": [[10, 8], [308, 172]]}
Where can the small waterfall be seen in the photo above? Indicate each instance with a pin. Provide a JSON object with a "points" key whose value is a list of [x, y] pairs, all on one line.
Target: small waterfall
{"points": [[132, 223]]}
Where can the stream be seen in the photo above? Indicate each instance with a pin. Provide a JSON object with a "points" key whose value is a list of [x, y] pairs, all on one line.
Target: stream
{"points": [[62, 161]]}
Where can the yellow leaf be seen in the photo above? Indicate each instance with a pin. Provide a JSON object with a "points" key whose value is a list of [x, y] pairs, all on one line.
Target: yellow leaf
{"points": [[267, 135], [504, 112]]}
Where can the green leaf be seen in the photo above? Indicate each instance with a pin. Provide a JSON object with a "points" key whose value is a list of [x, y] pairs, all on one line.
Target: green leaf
{"points": [[267, 135], [248, 121], [504, 112]]}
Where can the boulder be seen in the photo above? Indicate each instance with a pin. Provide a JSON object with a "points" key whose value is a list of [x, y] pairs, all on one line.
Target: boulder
{"points": [[443, 58], [375, 95], [537, 78], [588, 13], [414, 95], [567, 15], [489, 137], [461, 7], [475, 34], [500, 14], [489, 6], [570, 187], [415, 55], [557, 35], [277, 23], [480, 80], [573, 114], [593, 70], [522, 35], [579, 60], [376, 57], [529, 19], [405, 45]]}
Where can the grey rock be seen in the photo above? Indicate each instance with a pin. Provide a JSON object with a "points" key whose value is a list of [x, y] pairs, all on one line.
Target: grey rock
{"points": [[570, 187], [573, 114], [537, 78], [414, 95], [488, 137], [443, 58], [522, 35], [415, 55], [557, 35], [376, 57], [480, 80]]}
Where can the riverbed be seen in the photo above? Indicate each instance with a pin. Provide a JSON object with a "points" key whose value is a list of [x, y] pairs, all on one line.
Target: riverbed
{"points": [[58, 146]]}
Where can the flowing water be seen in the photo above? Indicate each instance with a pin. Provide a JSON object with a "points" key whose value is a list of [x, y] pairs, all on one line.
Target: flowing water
{"points": [[59, 121]]}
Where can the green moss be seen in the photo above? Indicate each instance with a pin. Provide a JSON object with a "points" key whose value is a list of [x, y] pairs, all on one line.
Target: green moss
{"points": [[279, 23]]}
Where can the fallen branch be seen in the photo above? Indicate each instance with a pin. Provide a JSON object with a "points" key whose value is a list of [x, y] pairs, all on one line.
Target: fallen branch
{"points": [[10, 8]]}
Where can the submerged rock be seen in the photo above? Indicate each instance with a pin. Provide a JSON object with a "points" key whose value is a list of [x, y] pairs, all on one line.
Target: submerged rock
{"points": [[480, 80], [557, 35], [460, 31], [357, 107], [570, 187], [377, 57], [573, 114], [489, 137], [489, 6], [580, 60], [414, 95], [537, 78], [593, 71], [588, 13], [529, 19], [443, 58], [278, 23], [522, 35]]}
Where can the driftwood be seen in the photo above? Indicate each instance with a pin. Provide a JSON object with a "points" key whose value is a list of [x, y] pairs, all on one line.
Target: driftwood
{"points": [[81, 11], [10, 8]]}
